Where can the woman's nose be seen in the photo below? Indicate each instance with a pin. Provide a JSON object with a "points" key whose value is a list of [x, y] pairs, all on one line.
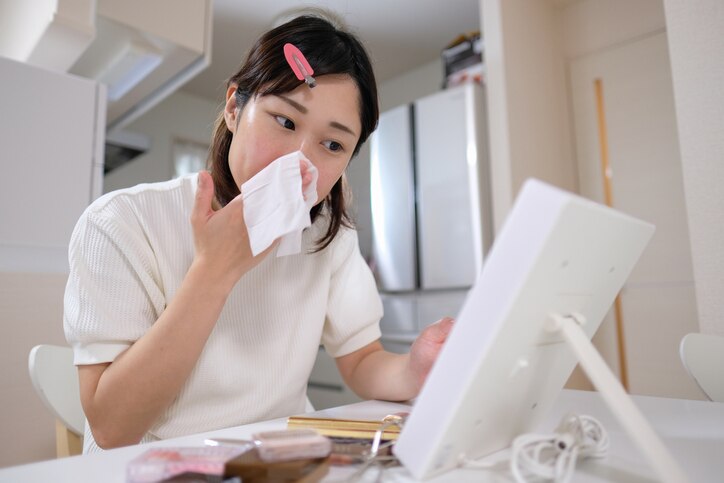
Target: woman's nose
{"points": [[304, 144]]}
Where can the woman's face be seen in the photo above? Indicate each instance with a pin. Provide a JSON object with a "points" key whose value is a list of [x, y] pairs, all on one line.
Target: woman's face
{"points": [[323, 122]]}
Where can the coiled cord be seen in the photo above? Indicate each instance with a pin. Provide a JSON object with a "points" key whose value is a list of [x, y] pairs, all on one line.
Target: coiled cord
{"points": [[553, 456]]}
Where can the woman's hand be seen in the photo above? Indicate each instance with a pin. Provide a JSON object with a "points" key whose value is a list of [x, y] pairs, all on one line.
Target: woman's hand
{"points": [[221, 240], [306, 175], [374, 373], [425, 349]]}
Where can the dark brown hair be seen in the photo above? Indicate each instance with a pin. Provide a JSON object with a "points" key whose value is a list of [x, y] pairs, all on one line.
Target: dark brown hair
{"points": [[329, 50]]}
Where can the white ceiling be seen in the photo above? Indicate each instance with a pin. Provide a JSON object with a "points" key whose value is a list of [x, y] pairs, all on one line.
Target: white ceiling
{"points": [[399, 34]]}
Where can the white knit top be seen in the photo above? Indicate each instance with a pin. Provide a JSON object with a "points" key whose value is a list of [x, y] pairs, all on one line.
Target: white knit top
{"points": [[129, 253]]}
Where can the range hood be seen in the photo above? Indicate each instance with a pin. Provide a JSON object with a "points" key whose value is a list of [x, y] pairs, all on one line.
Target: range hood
{"points": [[143, 51], [122, 146]]}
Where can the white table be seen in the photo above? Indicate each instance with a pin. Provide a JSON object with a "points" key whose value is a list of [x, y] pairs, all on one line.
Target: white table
{"points": [[692, 430]]}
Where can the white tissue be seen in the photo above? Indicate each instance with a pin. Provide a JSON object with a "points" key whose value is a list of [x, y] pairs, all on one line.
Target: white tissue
{"points": [[275, 207]]}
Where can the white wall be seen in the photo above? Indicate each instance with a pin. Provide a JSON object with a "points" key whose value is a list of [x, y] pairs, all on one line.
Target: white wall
{"points": [[412, 85], [21, 24], [179, 116], [696, 46]]}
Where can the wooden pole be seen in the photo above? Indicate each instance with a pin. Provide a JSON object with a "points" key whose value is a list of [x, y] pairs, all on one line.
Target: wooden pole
{"points": [[608, 198]]}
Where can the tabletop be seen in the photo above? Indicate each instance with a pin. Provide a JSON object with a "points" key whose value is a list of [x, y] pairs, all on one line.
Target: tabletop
{"points": [[693, 431]]}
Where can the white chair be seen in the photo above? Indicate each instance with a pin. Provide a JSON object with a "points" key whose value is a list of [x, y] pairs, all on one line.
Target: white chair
{"points": [[703, 358], [55, 379]]}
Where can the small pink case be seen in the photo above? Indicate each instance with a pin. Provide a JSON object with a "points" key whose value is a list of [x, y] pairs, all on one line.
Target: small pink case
{"points": [[291, 444]]}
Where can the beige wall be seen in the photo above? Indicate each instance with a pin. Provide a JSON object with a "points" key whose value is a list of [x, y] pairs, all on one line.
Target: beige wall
{"points": [[589, 26], [527, 49], [643, 153], [527, 103], [31, 312], [530, 48], [696, 46]]}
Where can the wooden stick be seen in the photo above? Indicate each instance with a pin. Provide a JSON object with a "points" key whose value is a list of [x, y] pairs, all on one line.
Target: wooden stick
{"points": [[608, 197]]}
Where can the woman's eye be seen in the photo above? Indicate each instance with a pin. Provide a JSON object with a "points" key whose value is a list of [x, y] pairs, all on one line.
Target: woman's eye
{"points": [[333, 146], [285, 122]]}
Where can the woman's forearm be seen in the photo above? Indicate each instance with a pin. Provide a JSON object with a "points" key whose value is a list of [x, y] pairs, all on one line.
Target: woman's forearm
{"points": [[124, 399], [378, 374], [373, 373]]}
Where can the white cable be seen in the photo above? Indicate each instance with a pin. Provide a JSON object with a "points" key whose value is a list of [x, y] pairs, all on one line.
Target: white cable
{"points": [[553, 456]]}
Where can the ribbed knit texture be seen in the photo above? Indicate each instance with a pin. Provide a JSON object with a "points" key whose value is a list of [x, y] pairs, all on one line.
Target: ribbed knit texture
{"points": [[129, 253]]}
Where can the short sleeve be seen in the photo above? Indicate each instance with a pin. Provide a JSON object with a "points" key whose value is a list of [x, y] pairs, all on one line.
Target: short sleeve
{"points": [[113, 294], [354, 308]]}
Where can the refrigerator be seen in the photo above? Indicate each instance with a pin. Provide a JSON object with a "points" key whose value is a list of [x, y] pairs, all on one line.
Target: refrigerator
{"points": [[52, 129], [431, 213]]}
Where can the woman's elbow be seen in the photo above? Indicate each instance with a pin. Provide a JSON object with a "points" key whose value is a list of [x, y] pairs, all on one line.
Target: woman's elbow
{"points": [[108, 437]]}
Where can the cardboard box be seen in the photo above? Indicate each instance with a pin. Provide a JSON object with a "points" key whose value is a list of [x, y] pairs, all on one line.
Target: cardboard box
{"points": [[462, 53]]}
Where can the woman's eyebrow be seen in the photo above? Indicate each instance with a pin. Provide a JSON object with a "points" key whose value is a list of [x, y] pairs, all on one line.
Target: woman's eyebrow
{"points": [[304, 110], [342, 127], [294, 104]]}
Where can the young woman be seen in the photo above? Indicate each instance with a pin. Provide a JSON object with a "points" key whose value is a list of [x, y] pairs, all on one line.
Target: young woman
{"points": [[177, 328]]}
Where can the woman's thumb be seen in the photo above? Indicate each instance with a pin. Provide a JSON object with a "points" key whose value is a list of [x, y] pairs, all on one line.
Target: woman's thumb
{"points": [[204, 195], [440, 329]]}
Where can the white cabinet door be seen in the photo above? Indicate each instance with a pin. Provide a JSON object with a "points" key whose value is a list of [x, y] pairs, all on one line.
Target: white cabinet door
{"points": [[444, 205], [392, 193], [51, 133]]}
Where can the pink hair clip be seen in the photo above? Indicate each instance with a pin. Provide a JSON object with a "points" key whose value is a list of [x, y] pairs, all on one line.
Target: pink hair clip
{"points": [[299, 64]]}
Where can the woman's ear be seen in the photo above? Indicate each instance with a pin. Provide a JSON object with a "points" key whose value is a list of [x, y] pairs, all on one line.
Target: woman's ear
{"points": [[231, 112]]}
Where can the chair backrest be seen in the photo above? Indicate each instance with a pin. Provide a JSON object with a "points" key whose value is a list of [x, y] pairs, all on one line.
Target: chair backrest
{"points": [[703, 357], [55, 379]]}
